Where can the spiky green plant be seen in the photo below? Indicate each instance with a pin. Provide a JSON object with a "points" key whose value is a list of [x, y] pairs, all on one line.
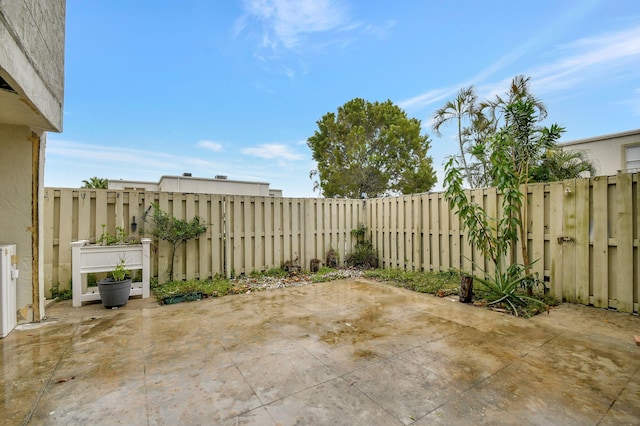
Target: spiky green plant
{"points": [[504, 287]]}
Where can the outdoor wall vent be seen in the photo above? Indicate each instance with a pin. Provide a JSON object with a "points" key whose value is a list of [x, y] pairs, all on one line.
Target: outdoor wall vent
{"points": [[6, 86], [186, 174], [221, 177]]}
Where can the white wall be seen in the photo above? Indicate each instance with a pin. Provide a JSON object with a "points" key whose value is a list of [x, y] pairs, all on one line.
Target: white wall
{"points": [[606, 151]]}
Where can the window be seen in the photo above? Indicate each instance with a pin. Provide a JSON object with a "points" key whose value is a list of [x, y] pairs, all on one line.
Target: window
{"points": [[632, 158]]}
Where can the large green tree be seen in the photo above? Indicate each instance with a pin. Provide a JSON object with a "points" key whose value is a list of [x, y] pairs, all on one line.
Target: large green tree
{"points": [[368, 150]]}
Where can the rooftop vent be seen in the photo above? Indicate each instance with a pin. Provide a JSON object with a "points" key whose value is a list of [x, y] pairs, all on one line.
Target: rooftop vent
{"points": [[186, 174], [221, 176]]}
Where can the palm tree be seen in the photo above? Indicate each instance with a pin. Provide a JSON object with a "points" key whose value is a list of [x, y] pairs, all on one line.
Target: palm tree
{"points": [[559, 164], [96, 182], [478, 133], [519, 90], [462, 107]]}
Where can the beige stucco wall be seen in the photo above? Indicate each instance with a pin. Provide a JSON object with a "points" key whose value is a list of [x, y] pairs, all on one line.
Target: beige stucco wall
{"points": [[197, 185], [133, 185], [213, 186], [606, 151], [32, 62], [16, 208]]}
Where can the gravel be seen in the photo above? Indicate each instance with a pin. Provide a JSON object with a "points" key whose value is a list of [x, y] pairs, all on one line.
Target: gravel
{"points": [[249, 284]]}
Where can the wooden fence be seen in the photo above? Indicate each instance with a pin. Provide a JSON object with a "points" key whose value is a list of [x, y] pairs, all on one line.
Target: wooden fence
{"points": [[244, 234], [582, 233]]}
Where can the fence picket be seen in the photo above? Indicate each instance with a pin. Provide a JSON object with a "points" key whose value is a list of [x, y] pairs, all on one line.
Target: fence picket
{"points": [[163, 246], [84, 215], [624, 246], [536, 229], [568, 245], [600, 243], [204, 246], [436, 239], [582, 267], [445, 233], [478, 260], [556, 244], [425, 232], [64, 238], [416, 231], [49, 242], [191, 246]]}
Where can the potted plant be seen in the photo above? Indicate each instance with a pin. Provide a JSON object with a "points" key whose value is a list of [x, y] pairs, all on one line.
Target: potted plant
{"points": [[107, 251], [115, 290]]}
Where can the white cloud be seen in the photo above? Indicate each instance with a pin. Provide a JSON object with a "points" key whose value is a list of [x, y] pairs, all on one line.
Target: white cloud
{"points": [[427, 98], [285, 22], [270, 151], [124, 161], [591, 59], [102, 154], [210, 145], [587, 61], [287, 31]]}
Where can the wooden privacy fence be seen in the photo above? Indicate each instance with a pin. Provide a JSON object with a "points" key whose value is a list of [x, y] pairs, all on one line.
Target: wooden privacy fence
{"points": [[244, 233], [583, 233]]}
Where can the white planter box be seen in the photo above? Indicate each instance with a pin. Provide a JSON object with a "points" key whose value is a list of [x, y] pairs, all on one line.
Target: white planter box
{"points": [[87, 259]]}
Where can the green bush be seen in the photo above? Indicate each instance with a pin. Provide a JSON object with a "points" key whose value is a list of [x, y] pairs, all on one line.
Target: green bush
{"points": [[210, 288], [363, 255], [64, 294]]}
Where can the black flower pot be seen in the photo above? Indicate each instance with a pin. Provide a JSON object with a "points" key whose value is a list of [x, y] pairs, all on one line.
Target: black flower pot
{"points": [[114, 293]]}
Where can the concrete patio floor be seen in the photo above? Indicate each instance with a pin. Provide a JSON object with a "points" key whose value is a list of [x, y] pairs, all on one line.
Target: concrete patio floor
{"points": [[349, 352]]}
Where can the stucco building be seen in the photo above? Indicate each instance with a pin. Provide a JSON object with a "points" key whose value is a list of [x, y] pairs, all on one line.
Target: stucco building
{"points": [[613, 153], [31, 103], [186, 183]]}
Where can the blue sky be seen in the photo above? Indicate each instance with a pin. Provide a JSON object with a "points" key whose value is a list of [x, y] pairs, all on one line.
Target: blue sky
{"points": [[235, 87]]}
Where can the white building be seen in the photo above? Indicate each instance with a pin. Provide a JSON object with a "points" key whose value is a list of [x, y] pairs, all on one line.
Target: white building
{"points": [[617, 152], [186, 183]]}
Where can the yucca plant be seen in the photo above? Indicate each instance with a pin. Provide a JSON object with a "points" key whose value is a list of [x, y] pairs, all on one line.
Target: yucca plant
{"points": [[503, 287]]}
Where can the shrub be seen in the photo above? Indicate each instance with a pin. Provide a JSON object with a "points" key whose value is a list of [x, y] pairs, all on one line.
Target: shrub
{"points": [[363, 255], [173, 230], [64, 294]]}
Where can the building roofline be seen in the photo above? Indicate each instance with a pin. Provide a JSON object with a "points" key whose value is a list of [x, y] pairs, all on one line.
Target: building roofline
{"points": [[601, 138], [211, 179], [132, 181], [186, 177]]}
